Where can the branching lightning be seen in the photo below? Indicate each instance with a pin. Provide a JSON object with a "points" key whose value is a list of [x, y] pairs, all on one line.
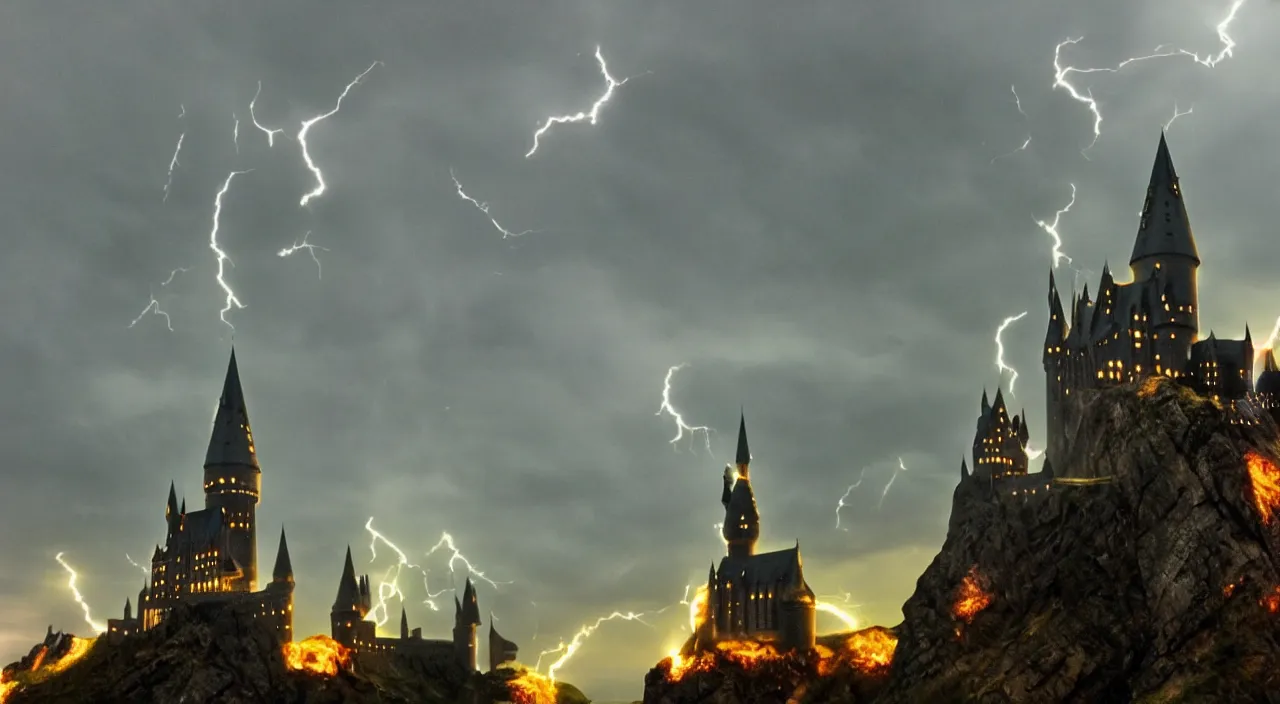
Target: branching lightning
{"points": [[893, 477], [1052, 229], [153, 306], [71, 584], [144, 570], [1000, 363], [589, 116], [389, 585], [173, 163], [1176, 115], [484, 208], [681, 426], [311, 249], [1086, 98], [841, 504], [271, 133], [567, 650], [223, 259], [306, 127]]}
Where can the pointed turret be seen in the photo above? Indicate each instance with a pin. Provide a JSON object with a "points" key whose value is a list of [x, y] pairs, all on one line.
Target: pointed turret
{"points": [[1165, 229], [183, 511], [231, 443], [1057, 331], [171, 507], [470, 605], [986, 404], [348, 598], [404, 624], [964, 469], [128, 610], [743, 457], [283, 571]]}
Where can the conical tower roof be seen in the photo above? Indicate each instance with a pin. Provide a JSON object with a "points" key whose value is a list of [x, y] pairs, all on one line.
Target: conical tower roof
{"points": [[1165, 228], [232, 440], [348, 598]]}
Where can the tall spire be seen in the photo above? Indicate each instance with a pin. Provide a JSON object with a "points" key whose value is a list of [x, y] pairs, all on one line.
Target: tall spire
{"points": [[348, 598], [232, 439], [283, 571], [744, 452], [1165, 228]]}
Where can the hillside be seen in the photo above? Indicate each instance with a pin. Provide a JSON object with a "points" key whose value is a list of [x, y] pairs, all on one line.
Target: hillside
{"points": [[217, 654], [1156, 582]]}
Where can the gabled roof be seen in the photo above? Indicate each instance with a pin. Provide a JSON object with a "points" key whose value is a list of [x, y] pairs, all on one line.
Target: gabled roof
{"points": [[202, 528], [232, 440], [765, 570]]}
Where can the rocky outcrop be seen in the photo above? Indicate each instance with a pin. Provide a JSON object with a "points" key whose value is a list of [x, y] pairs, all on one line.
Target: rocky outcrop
{"points": [[220, 654], [1156, 580]]}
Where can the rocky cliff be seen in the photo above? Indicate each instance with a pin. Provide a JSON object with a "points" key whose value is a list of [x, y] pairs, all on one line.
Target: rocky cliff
{"points": [[1147, 573], [219, 655]]}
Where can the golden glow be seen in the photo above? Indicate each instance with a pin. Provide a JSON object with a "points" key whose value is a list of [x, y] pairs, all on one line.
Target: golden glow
{"points": [[698, 609], [319, 655], [971, 598], [529, 687], [567, 650], [71, 584], [870, 651], [1264, 478], [849, 621]]}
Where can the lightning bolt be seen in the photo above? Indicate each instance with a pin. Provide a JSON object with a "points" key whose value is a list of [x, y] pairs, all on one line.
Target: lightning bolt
{"points": [[1032, 452], [1000, 363], [311, 249], [1270, 342], [182, 111], [389, 585], [153, 305], [893, 477], [589, 116], [849, 621], [446, 542], [144, 570], [1176, 115], [1052, 229], [567, 650], [271, 133], [173, 163], [484, 208], [223, 259], [681, 426], [1017, 103], [71, 584], [306, 127], [841, 504], [1061, 73], [235, 132]]}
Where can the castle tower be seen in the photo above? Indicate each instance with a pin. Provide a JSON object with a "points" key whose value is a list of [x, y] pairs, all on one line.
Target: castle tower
{"points": [[741, 518], [232, 478], [799, 613], [1165, 250], [282, 583], [1268, 390], [1054, 360], [348, 606], [404, 624], [466, 618]]}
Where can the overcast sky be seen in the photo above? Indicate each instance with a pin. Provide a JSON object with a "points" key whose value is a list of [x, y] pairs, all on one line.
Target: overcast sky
{"points": [[798, 201]]}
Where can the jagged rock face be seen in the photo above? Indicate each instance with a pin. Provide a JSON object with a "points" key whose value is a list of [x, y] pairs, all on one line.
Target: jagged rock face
{"points": [[1158, 584], [220, 654], [1152, 587]]}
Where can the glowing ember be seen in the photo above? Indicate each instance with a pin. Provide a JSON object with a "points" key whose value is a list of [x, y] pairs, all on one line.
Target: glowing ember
{"points": [[698, 612], [320, 655], [40, 656], [971, 598], [1271, 602], [5, 689], [79, 646], [532, 688], [1149, 386], [1265, 479], [870, 650], [1228, 590]]}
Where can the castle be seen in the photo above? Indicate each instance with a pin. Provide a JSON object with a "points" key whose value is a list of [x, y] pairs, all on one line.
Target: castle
{"points": [[755, 596], [211, 555], [1147, 327]]}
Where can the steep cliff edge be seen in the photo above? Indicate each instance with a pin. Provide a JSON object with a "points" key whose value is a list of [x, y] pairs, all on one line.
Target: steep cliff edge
{"points": [[219, 654], [1155, 579]]}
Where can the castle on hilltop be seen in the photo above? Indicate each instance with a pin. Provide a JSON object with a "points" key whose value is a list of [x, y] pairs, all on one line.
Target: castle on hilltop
{"points": [[755, 596], [211, 555], [1146, 327]]}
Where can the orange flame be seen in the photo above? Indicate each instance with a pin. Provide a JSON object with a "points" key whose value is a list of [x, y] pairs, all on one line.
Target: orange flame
{"points": [[79, 646], [44, 650], [1271, 602], [1149, 386], [971, 598], [1265, 480], [320, 655], [698, 609], [532, 688], [870, 651]]}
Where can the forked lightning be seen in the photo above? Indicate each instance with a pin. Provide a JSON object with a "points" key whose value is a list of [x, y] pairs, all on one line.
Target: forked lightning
{"points": [[590, 116], [311, 249], [223, 259], [841, 504], [484, 208], [306, 127], [271, 133], [1000, 363], [681, 426]]}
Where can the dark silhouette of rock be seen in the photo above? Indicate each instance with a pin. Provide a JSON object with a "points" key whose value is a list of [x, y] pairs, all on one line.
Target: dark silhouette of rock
{"points": [[218, 654], [1153, 580]]}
